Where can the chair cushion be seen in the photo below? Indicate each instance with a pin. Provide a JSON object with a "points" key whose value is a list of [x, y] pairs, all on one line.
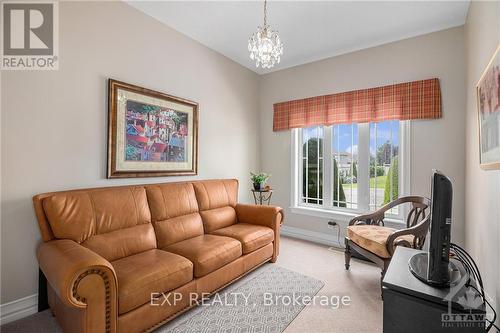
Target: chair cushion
{"points": [[373, 238], [153, 271], [251, 237], [207, 252]]}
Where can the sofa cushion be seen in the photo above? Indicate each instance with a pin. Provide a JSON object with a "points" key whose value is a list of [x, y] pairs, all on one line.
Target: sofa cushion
{"points": [[217, 199], [122, 243], [171, 200], [177, 229], [212, 194], [207, 252], [174, 211], [217, 218], [78, 215], [153, 271], [120, 208], [251, 237], [70, 215], [113, 222], [373, 238]]}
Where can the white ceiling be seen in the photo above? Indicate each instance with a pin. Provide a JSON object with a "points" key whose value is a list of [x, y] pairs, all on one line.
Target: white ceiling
{"points": [[310, 30]]}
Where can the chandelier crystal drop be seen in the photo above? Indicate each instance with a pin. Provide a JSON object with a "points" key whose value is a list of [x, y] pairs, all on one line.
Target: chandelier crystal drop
{"points": [[265, 46]]}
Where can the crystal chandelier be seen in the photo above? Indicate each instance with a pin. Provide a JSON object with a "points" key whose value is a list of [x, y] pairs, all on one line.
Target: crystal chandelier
{"points": [[265, 46]]}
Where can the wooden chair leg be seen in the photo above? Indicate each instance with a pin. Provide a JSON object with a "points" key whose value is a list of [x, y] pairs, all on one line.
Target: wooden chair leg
{"points": [[347, 254]]}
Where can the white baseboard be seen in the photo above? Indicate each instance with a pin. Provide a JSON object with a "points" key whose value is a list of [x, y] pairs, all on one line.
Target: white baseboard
{"points": [[312, 236], [18, 309]]}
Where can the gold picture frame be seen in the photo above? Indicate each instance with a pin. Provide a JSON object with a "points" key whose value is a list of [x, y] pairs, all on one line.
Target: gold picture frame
{"points": [[150, 133], [488, 111]]}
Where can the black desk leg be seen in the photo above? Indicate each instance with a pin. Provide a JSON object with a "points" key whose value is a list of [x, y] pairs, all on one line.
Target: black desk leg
{"points": [[43, 300]]}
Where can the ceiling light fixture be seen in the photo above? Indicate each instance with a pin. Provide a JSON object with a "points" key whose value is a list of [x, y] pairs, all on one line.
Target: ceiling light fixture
{"points": [[265, 46]]}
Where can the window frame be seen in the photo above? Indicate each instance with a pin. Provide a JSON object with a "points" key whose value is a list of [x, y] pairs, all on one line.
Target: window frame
{"points": [[327, 210]]}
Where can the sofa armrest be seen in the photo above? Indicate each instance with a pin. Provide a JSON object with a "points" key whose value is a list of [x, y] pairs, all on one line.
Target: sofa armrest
{"points": [[268, 216], [82, 279]]}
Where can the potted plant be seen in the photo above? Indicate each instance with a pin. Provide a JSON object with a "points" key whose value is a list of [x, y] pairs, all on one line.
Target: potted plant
{"points": [[259, 180]]}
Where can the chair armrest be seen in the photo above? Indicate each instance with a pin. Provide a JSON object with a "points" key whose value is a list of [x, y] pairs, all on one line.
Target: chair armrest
{"points": [[82, 279], [419, 232], [268, 216], [377, 217]]}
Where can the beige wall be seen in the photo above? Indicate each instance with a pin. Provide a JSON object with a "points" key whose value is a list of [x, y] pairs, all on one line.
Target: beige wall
{"points": [[434, 143], [54, 123], [482, 209]]}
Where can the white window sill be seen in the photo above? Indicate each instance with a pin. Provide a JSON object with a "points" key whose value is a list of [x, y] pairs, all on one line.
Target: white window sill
{"points": [[342, 216]]}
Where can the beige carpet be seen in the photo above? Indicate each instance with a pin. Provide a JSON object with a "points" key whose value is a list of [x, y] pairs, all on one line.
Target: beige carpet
{"points": [[361, 284]]}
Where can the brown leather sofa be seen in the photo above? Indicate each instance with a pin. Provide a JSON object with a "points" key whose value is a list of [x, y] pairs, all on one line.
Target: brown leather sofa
{"points": [[105, 251]]}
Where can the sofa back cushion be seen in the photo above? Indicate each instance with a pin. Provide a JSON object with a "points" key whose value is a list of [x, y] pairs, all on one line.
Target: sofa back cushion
{"points": [[174, 212], [217, 199], [113, 222], [122, 221]]}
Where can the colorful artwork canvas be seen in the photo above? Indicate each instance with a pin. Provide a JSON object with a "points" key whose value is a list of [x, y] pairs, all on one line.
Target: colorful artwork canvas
{"points": [[151, 133], [488, 104], [155, 133]]}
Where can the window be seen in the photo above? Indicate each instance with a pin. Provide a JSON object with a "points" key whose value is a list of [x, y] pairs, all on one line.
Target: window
{"points": [[345, 165], [312, 165], [350, 168]]}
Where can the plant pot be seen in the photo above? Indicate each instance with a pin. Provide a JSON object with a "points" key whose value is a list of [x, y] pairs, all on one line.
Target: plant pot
{"points": [[258, 186]]}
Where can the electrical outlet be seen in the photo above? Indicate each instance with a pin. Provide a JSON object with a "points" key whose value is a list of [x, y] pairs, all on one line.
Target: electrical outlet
{"points": [[332, 224]]}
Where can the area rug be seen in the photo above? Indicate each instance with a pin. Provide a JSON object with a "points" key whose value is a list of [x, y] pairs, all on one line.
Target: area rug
{"points": [[265, 301], [241, 307]]}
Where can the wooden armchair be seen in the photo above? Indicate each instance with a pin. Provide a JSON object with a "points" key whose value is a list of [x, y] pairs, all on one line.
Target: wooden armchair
{"points": [[367, 235]]}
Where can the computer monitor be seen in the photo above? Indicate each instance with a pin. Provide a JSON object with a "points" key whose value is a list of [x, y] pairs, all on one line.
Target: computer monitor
{"points": [[439, 249], [434, 268]]}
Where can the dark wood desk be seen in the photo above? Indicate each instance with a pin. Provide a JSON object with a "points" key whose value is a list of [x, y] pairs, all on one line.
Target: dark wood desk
{"points": [[411, 306]]}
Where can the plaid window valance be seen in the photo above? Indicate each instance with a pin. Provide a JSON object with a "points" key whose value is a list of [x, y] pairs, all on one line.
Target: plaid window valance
{"points": [[410, 100]]}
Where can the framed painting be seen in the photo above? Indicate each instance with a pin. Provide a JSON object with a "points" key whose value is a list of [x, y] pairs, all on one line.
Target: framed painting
{"points": [[488, 105], [150, 134]]}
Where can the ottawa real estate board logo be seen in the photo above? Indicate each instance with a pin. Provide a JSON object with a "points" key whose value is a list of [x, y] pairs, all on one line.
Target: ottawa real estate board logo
{"points": [[29, 35]]}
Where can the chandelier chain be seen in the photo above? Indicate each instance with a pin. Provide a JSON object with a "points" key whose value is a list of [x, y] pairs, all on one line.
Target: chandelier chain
{"points": [[265, 14]]}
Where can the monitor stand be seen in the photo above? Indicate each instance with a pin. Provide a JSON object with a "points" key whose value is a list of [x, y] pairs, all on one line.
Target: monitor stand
{"points": [[419, 264]]}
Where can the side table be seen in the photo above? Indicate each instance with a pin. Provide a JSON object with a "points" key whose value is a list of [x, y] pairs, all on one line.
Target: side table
{"points": [[261, 197]]}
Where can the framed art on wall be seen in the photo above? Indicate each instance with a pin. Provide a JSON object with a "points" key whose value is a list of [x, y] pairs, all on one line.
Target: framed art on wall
{"points": [[488, 104], [150, 134]]}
